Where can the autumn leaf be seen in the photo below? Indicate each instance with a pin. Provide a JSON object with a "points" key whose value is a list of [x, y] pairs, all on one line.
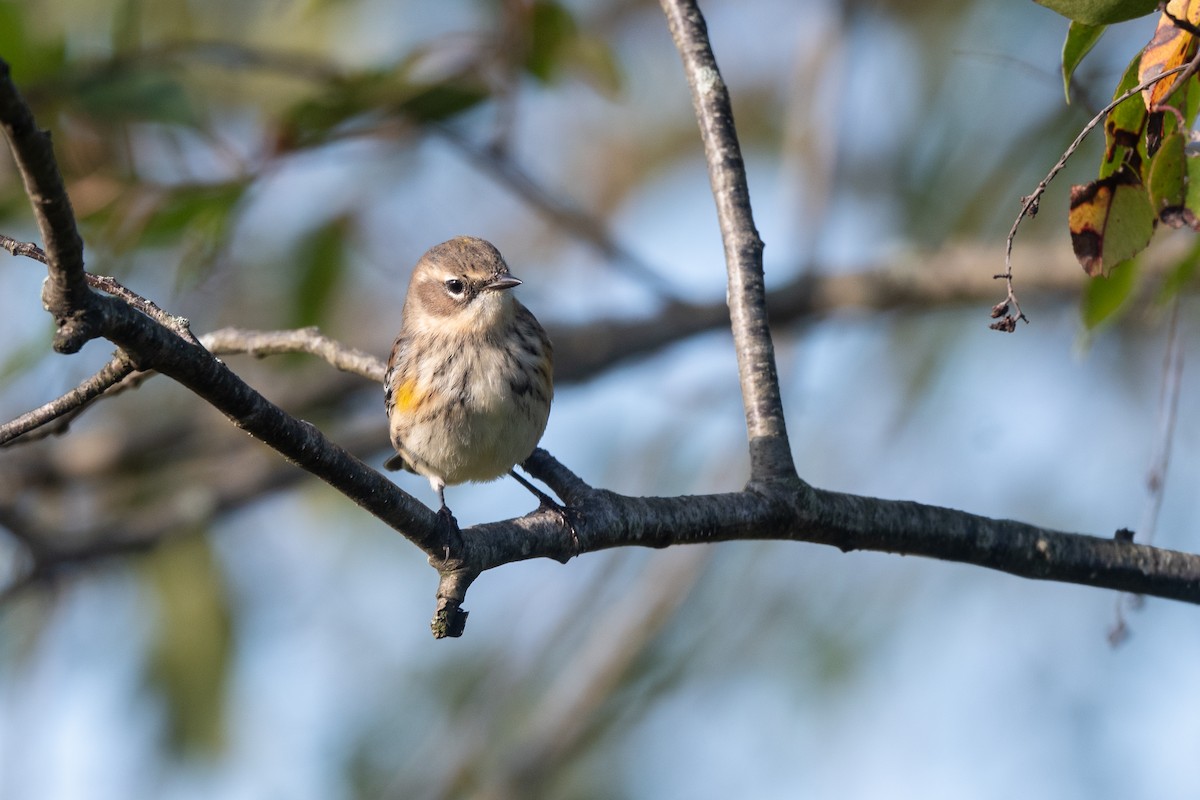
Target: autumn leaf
{"points": [[1111, 220], [1124, 126], [1170, 47]]}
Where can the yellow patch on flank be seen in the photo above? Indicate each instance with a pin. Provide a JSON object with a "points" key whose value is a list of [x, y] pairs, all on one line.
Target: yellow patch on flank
{"points": [[408, 398]]}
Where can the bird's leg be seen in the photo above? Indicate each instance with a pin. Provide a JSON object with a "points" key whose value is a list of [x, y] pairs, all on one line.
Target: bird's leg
{"points": [[451, 537], [547, 502]]}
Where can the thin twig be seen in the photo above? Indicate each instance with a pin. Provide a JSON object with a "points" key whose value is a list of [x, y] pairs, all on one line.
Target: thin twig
{"points": [[1029, 203], [22, 249], [232, 341], [181, 325], [110, 285], [69, 404], [111, 380]]}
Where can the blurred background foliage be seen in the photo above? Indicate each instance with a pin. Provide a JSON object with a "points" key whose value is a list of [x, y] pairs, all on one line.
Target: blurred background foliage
{"points": [[273, 164]]}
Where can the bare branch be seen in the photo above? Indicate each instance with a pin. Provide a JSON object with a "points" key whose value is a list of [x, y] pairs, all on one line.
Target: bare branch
{"points": [[566, 709], [230, 341], [181, 325], [770, 453], [66, 289], [67, 406], [22, 249]]}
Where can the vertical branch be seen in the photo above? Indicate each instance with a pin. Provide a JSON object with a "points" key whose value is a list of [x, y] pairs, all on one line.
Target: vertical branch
{"points": [[65, 294], [770, 454]]}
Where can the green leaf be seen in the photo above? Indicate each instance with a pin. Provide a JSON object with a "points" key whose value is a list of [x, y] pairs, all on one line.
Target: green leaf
{"points": [[1081, 38], [167, 216], [1167, 180], [193, 641], [194, 218], [558, 44], [321, 262], [206, 208], [1181, 275], [441, 101], [1100, 12], [135, 96], [597, 64], [1110, 220], [1105, 296], [126, 31], [1124, 126], [31, 58], [551, 29], [1191, 199], [313, 119]]}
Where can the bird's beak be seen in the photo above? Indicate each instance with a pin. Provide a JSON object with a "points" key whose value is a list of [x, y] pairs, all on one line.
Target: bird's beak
{"points": [[502, 282]]}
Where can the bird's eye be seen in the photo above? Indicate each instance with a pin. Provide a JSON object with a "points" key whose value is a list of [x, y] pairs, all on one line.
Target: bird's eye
{"points": [[454, 286]]}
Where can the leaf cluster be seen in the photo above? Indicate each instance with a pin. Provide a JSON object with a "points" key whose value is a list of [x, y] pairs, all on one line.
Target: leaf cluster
{"points": [[1150, 171]]}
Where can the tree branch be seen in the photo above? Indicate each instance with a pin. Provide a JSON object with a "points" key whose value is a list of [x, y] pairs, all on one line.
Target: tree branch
{"points": [[70, 404], [848, 522], [773, 507], [230, 341], [770, 453], [65, 291], [83, 314]]}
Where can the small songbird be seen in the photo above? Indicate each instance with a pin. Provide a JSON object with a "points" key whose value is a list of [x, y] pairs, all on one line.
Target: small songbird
{"points": [[470, 378]]}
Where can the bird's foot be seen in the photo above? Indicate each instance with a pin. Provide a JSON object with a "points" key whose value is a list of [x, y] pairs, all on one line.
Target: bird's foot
{"points": [[548, 503], [452, 543]]}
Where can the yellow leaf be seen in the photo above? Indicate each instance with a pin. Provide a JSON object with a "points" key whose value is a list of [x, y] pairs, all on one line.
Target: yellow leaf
{"points": [[1171, 47], [1111, 220]]}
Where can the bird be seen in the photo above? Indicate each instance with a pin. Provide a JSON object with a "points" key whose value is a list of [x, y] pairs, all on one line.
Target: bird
{"points": [[470, 378]]}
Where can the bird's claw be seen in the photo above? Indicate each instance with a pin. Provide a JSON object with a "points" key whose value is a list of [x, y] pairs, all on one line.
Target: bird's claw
{"points": [[547, 503], [451, 535]]}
